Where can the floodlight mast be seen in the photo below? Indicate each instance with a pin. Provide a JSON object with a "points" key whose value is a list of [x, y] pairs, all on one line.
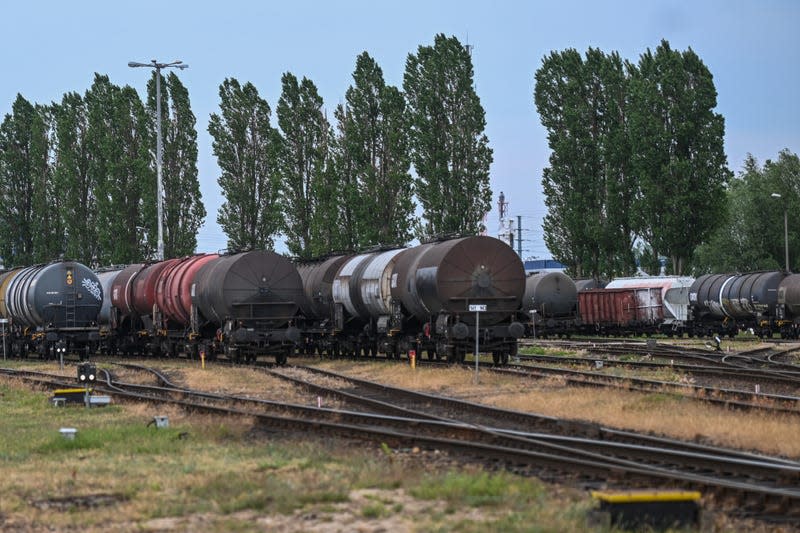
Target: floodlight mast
{"points": [[159, 184]]}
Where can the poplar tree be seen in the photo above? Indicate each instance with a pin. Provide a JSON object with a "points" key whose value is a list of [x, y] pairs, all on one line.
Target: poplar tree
{"points": [[677, 152], [73, 179], [303, 159], [374, 127], [119, 141], [246, 148], [450, 151], [341, 186], [183, 207], [17, 169], [588, 185], [47, 207]]}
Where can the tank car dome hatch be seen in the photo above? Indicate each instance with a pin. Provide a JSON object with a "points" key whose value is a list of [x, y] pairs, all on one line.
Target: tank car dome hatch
{"points": [[451, 275], [259, 286], [60, 295]]}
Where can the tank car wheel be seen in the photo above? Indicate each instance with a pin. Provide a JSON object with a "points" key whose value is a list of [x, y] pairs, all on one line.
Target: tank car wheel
{"points": [[459, 354], [496, 358], [504, 358], [433, 355]]}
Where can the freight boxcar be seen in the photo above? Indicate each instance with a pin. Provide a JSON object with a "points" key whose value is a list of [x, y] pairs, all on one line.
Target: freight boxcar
{"points": [[623, 311]]}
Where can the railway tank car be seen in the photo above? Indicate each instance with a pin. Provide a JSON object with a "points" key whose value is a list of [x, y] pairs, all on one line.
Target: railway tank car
{"points": [[418, 298], [730, 302], [437, 283], [550, 304], [251, 300], [242, 305], [361, 290], [788, 308], [49, 304]]}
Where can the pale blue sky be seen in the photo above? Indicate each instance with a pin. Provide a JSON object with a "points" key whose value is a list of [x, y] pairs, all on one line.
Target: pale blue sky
{"points": [[752, 48]]}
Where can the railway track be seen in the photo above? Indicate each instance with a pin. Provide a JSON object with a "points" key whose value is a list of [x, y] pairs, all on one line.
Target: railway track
{"points": [[757, 485], [729, 398]]}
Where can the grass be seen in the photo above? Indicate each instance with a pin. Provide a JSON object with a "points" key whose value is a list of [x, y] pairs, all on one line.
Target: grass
{"points": [[211, 474]]}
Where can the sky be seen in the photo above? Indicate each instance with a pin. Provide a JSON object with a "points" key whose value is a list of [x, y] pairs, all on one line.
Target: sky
{"points": [[752, 48]]}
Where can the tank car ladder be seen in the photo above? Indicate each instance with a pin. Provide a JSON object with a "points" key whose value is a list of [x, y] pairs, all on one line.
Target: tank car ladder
{"points": [[69, 308]]}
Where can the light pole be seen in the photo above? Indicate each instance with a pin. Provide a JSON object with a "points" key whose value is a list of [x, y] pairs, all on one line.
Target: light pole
{"points": [[785, 231], [159, 186]]}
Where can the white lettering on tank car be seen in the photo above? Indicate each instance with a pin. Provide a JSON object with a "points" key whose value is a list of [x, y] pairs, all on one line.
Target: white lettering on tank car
{"points": [[93, 288]]}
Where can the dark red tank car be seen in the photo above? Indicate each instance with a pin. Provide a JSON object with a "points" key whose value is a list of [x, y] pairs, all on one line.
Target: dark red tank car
{"points": [[174, 287]]}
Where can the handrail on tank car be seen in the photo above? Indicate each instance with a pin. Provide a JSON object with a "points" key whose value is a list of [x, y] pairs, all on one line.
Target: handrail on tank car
{"points": [[441, 237]]}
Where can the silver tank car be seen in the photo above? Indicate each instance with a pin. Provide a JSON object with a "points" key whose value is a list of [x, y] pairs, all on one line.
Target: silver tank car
{"points": [[743, 296], [362, 285], [106, 278], [550, 294]]}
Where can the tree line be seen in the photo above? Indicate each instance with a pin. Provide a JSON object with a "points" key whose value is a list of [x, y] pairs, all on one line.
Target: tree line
{"points": [[77, 177], [348, 185], [636, 158]]}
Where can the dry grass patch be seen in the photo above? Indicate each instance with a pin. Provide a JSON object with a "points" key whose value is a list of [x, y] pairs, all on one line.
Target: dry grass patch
{"points": [[662, 413]]}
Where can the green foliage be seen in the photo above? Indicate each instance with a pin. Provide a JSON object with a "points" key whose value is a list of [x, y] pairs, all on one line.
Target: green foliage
{"points": [[637, 150], [479, 489], [75, 184], [18, 149], [677, 152], [246, 148], [373, 126], [183, 209], [449, 149], [582, 103], [751, 236], [120, 141], [309, 196]]}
